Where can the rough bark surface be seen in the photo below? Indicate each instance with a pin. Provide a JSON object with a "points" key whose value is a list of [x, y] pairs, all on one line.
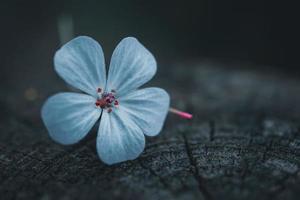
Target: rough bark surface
{"points": [[243, 143]]}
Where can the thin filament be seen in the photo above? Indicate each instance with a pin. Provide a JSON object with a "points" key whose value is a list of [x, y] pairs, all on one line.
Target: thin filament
{"points": [[182, 114]]}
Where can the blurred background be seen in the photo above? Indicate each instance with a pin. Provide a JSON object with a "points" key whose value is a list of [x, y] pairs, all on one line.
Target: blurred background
{"points": [[257, 34], [233, 64]]}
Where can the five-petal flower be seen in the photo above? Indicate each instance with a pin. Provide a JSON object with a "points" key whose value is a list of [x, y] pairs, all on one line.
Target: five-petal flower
{"points": [[126, 112]]}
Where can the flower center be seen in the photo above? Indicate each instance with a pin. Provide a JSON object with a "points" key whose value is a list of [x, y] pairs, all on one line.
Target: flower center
{"points": [[106, 100]]}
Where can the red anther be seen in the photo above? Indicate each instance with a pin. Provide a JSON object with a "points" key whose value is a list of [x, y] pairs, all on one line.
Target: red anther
{"points": [[100, 103], [106, 101], [116, 102]]}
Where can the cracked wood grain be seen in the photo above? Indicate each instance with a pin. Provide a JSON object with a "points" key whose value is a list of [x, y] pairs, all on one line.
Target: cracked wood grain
{"points": [[200, 180], [243, 143]]}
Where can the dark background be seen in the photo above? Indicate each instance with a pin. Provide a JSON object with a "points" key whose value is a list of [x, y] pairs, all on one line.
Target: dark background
{"points": [[257, 31], [243, 34], [232, 63]]}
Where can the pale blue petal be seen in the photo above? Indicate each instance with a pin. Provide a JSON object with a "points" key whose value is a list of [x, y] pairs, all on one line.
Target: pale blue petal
{"points": [[69, 116], [148, 108], [131, 66], [81, 64], [119, 138]]}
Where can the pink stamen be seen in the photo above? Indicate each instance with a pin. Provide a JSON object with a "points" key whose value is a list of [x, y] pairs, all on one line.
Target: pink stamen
{"points": [[182, 114], [116, 102], [106, 101]]}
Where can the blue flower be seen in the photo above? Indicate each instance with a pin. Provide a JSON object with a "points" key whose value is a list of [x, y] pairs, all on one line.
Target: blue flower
{"points": [[126, 113]]}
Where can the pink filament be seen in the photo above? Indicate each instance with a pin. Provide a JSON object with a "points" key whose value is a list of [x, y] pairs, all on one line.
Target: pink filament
{"points": [[182, 114]]}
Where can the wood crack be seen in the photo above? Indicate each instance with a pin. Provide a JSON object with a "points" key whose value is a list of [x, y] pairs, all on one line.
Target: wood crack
{"points": [[212, 130], [201, 185]]}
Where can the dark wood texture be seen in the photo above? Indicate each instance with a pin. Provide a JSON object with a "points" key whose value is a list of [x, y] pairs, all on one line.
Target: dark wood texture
{"points": [[243, 143]]}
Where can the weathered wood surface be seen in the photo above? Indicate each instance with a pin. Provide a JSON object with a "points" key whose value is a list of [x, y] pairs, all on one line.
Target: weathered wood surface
{"points": [[243, 143]]}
